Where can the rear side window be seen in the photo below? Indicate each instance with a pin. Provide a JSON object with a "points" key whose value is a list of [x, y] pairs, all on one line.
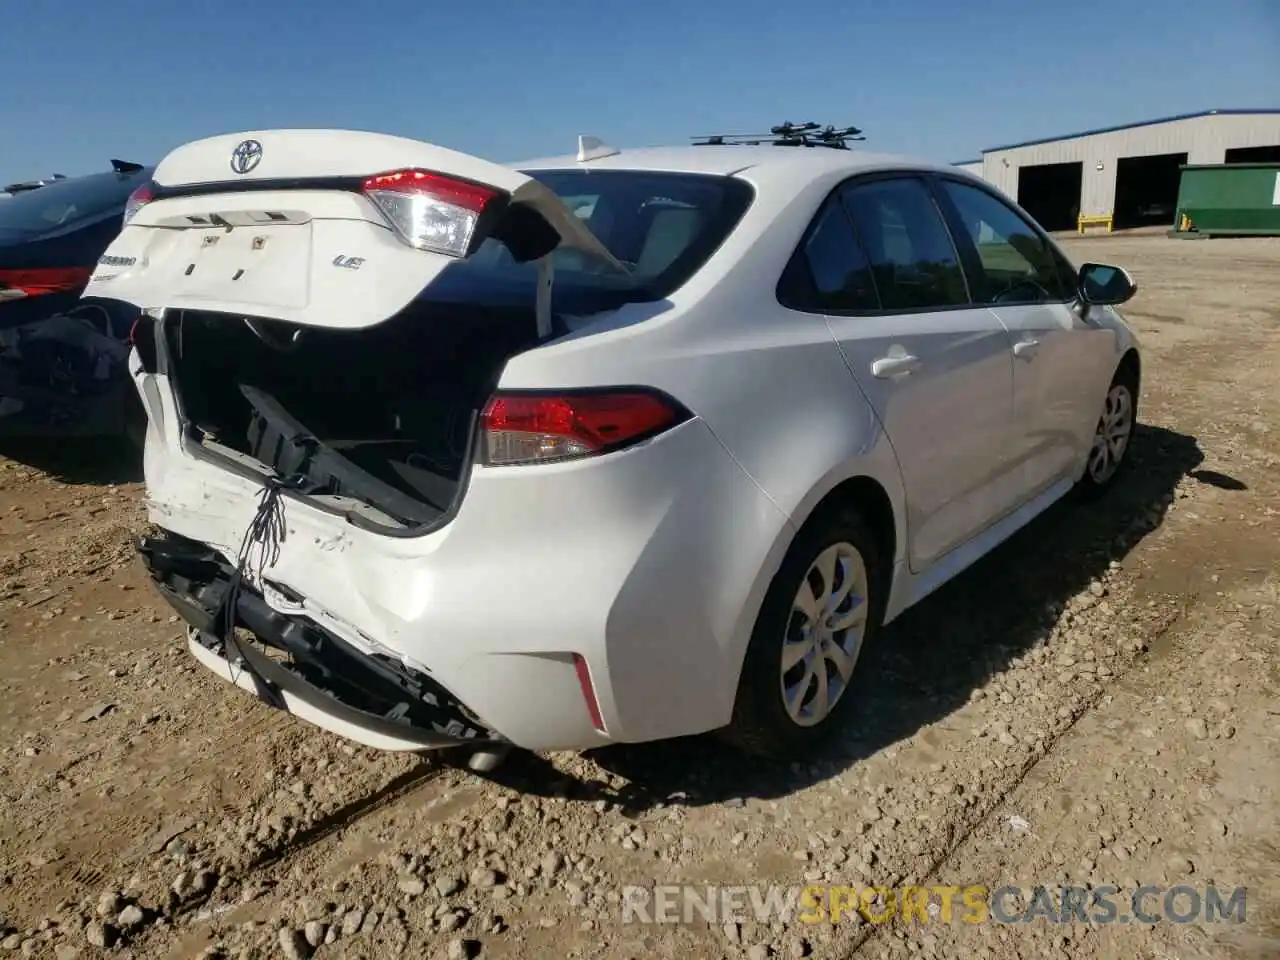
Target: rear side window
{"points": [[830, 271], [65, 203], [1016, 264], [913, 260]]}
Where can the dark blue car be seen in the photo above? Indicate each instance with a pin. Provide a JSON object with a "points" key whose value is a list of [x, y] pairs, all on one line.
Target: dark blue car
{"points": [[62, 359]]}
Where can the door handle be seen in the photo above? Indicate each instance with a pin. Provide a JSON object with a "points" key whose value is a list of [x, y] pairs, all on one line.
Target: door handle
{"points": [[895, 366], [1026, 349]]}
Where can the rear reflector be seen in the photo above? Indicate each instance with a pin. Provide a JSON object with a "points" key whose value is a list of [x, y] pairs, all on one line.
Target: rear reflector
{"points": [[588, 691], [429, 210], [137, 200], [538, 428], [33, 283]]}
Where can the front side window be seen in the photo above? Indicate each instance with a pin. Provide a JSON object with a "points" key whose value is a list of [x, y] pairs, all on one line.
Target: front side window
{"points": [[913, 260], [1017, 264]]}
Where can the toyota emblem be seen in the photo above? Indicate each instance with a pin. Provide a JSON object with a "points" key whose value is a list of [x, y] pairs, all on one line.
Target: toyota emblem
{"points": [[246, 156]]}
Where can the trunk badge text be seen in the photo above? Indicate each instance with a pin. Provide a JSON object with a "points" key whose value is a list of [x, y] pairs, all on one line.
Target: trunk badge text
{"points": [[349, 263]]}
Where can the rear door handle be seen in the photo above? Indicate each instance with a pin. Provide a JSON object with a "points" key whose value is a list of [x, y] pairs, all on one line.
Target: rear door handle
{"points": [[1026, 349], [887, 367]]}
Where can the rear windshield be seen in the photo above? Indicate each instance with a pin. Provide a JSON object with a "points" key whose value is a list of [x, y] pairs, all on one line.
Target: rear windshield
{"points": [[662, 226], [66, 202]]}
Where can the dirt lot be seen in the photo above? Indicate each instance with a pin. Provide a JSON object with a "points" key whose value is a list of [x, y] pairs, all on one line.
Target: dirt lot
{"points": [[1097, 702]]}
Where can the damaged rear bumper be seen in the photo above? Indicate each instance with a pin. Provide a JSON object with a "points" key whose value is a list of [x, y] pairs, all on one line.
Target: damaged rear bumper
{"points": [[300, 666]]}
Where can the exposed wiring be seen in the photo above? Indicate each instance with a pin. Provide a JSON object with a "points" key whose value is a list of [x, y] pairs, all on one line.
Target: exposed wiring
{"points": [[266, 532]]}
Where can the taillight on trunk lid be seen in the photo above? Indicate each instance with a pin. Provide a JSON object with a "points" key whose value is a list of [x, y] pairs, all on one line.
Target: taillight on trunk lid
{"points": [[431, 211], [522, 427]]}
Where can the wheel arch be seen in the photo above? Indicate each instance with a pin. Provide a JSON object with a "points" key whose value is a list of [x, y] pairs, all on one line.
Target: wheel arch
{"points": [[1131, 364], [868, 497], [879, 500], [1130, 368], [878, 512]]}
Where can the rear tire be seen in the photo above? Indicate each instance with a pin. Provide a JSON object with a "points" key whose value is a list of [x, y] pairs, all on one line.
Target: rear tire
{"points": [[1113, 435], [826, 601]]}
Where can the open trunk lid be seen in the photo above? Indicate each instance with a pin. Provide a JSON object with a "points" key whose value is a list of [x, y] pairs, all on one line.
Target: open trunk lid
{"points": [[328, 228]]}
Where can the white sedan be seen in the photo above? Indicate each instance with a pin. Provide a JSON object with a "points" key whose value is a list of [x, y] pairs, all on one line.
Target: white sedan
{"points": [[610, 447]]}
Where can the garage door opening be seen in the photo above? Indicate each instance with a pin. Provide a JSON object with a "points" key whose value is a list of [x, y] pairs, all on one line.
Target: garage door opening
{"points": [[1253, 154], [1147, 190], [1050, 192]]}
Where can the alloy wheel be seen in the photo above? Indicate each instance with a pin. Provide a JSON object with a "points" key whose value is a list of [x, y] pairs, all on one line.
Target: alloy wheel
{"points": [[1115, 427], [824, 634]]}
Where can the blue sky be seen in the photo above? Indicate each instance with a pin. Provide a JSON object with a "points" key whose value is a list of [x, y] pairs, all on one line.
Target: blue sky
{"points": [[83, 82]]}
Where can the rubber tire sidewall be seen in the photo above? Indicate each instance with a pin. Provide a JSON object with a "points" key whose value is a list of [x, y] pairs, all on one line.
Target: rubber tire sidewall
{"points": [[760, 723], [1089, 488]]}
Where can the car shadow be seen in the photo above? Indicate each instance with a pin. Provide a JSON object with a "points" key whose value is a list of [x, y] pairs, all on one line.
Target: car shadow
{"points": [[77, 460], [928, 662]]}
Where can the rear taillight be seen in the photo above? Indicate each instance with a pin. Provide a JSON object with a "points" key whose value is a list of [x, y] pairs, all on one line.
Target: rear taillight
{"points": [[137, 200], [538, 428], [430, 211], [15, 284]]}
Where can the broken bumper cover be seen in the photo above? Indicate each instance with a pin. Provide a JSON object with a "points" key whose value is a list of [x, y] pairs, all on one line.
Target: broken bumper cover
{"points": [[302, 667]]}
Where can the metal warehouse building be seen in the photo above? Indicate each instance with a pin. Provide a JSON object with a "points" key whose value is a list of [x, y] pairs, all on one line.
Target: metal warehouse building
{"points": [[1128, 174]]}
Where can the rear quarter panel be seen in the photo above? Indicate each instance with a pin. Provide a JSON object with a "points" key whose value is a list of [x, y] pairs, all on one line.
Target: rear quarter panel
{"points": [[770, 383]]}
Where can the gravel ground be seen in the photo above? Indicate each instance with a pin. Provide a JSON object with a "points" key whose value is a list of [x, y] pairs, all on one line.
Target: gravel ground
{"points": [[1094, 703]]}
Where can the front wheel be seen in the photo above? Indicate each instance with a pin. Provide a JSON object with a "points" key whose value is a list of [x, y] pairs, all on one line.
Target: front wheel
{"points": [[826, 600], [1113, 435]]}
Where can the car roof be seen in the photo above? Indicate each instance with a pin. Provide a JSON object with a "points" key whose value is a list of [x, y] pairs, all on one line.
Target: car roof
{"points": [[729, 159], [29, 185]]}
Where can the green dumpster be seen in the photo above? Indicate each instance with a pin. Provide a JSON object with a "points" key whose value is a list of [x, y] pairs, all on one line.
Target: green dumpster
{"points": [[1236, 199]]}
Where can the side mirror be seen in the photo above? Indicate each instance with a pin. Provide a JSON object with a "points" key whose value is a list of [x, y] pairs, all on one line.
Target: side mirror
{"points": [[1105, 286]]}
